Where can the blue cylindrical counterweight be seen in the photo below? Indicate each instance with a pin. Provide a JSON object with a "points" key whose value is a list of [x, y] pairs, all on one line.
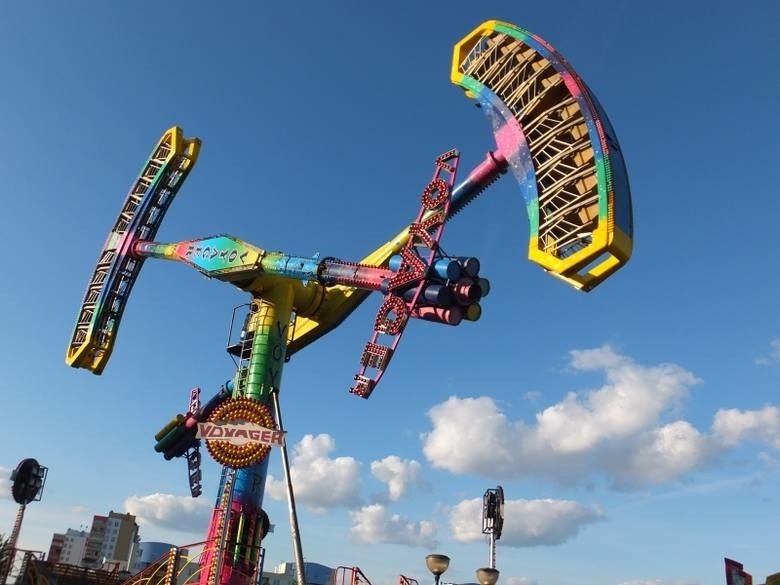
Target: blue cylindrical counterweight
{"points": [[444, 268], [433, 294], [216, 400], [394, 263], [484, 286], [469, 265], [447, 268]]}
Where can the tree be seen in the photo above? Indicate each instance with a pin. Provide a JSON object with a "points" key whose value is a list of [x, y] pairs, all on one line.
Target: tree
{"points": [[6, 557]]}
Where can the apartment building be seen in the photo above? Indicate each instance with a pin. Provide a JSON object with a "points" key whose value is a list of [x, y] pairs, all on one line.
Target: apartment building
{"points": [[68, 548], [111, 542]]}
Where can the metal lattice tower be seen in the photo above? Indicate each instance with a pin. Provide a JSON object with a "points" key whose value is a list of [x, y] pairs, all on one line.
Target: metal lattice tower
{"points": [[493, 519]]}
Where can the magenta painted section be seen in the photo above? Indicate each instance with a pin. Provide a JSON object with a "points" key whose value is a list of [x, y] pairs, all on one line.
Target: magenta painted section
{"points": [[486, 170], [239, 557], [571, 84], [510, 138]]}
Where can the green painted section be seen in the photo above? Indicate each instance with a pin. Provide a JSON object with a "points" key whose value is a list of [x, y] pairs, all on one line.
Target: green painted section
{"points": [[472, 85], [603, 188], [269, 345], [533, 217], [261, 344], [220, 253], [515, 31]]}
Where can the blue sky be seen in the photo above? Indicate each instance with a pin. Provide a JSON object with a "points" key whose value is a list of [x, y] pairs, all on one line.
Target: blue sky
{"points": [[635, 429]]}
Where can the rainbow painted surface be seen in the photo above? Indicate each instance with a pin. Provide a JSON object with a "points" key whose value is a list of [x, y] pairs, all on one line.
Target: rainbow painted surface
{"points": [[560, 145]]}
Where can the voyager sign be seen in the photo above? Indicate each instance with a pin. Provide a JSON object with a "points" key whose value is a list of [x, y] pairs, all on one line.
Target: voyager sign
{"points": [[239, 433]]}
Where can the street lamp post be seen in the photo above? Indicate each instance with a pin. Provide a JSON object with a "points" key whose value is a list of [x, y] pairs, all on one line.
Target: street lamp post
{"points": [[437, 564], [487, 576]]}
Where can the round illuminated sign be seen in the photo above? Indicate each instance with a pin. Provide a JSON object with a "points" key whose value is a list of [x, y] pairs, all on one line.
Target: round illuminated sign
{"points": [[238, 411]]}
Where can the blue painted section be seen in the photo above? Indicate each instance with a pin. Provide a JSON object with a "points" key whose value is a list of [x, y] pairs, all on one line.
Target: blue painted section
{"points": [[297, 267], [250, 483]]}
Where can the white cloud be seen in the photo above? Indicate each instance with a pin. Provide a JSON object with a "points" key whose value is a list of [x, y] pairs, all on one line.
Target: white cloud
{"points": [[731, 426], [773, 356], [400, 475], [532, 396], [470, 435], [519, 581], [375, 525], [660, 456], [320, 482], [5, 484], [608, 429], [526, 522], [182, 513], [632, 399]]}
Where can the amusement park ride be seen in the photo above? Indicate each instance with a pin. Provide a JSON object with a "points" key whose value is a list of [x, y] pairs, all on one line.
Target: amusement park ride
{"points": [[550, 132]]}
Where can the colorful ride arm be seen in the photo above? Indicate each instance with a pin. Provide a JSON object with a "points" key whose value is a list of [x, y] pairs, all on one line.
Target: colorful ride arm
{"points": [[117, 268], [560, 146], [224, 257]]}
